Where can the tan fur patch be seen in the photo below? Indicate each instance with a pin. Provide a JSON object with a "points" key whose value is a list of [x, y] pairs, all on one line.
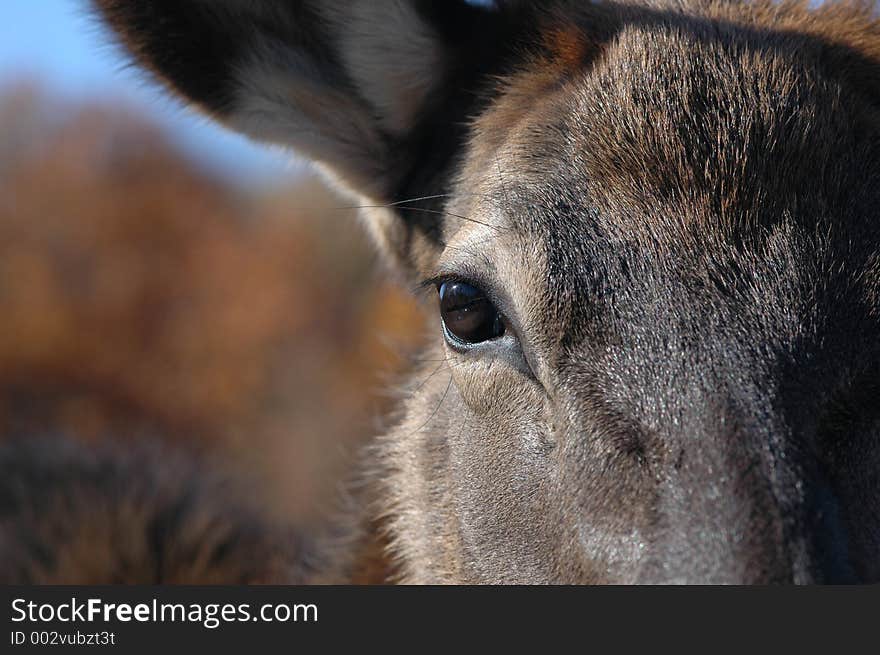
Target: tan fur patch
{"points": [[568, 46]]}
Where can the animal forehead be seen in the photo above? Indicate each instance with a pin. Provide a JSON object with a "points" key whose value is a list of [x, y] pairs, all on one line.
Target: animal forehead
{"points": [[671, 128]]}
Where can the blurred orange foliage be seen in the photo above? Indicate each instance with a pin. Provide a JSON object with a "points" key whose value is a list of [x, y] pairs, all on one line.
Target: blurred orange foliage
{"points": [[141, 297]]}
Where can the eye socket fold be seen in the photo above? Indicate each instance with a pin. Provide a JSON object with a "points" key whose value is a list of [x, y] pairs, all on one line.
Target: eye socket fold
{"points": [[468, 315]]}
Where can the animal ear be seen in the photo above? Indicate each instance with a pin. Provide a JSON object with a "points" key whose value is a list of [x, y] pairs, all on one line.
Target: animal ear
{"points": [[363, 87]]}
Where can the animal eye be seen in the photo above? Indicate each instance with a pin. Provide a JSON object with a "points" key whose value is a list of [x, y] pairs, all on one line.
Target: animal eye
{"points": [[468, 315]]}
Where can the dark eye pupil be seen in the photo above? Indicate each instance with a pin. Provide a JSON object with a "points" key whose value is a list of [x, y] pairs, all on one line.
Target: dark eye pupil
{"points": [[467, 314]]}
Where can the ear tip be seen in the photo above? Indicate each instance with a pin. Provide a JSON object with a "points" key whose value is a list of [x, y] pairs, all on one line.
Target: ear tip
{"points": [[162, 37]]}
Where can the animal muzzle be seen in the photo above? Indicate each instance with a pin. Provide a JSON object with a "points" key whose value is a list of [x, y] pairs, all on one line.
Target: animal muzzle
{"points": [[740, 504]]}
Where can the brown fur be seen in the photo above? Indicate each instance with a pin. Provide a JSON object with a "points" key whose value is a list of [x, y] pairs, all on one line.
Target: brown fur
{"points": [[672, 204], [136, 515]]}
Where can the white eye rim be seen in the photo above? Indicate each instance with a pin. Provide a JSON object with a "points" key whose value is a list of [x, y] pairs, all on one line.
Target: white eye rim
{"points": [[508, 347], [505, 348], [460, 344]]}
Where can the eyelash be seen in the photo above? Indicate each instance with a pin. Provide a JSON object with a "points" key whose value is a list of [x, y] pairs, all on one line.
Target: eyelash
{"points": [[438, 280]]}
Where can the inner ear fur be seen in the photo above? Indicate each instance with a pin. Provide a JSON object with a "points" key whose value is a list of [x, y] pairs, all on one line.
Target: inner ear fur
{"points": [[379, 94], [357, 85]]}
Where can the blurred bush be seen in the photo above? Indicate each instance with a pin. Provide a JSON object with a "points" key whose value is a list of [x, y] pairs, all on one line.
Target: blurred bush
{"points": [[139, 296]]}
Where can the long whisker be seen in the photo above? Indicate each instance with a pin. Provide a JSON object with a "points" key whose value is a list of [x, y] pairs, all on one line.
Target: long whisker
{"points": [[436, 409], [438, 196], [459, 216], [409, 200], [430, 375]]}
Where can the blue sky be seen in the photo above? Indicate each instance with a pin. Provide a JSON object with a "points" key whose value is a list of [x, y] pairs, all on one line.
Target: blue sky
{"points": [[56, 44]]}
